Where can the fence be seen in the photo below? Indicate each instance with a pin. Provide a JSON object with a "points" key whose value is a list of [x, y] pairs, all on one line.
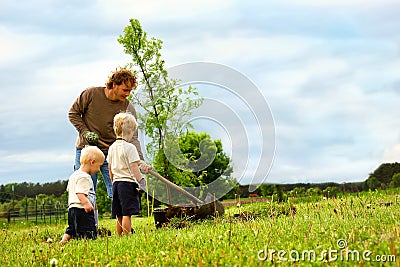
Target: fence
{"points": [[38, 214]]}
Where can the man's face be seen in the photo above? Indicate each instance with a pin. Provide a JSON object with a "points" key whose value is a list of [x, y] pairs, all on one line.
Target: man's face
{"points": [[121, 92]]}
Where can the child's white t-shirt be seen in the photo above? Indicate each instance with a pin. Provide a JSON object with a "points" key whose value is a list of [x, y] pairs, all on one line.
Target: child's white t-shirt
{"points": [[120, 155], [80, 182]]}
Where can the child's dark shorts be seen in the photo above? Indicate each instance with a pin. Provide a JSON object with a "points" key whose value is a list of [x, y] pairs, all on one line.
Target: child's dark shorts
{"points": [[81, 224], [125, 199]]}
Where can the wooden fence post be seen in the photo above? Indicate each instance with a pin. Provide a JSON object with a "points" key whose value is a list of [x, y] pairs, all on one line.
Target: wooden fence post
{"points": [[36, 211]]}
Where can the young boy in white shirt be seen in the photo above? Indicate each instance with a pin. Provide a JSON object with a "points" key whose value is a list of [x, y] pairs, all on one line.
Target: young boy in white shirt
{"points": [[123, 164], [82, 197]]}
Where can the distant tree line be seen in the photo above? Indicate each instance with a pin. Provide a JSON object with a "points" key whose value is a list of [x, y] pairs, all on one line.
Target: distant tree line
{"points": [[17, 191], [280, 192], [387, 175]]}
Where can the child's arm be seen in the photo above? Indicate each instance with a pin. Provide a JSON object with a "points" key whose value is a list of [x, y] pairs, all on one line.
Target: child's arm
{"points": [[135, 170], [85, 202], [110, 172], [109, 159]]}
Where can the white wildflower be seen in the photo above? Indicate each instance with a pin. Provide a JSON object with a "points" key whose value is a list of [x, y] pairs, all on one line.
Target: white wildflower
{"points": [[53, 262]]}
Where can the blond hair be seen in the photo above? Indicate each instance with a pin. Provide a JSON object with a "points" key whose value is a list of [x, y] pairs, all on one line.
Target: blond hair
{"points": [[124, 124], [90, 153]]}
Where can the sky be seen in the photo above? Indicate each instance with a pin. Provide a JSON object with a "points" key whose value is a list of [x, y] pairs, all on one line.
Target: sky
{"points": [[327, 71]]}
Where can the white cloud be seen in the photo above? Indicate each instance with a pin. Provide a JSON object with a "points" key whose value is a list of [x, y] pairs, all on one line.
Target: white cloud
{"points": [[392, 154], [175, 10], [18, 48], [344, 3], [49, 157]]}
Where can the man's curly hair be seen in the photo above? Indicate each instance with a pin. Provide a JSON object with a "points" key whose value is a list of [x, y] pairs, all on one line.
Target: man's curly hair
{"points": [[121, 76]]}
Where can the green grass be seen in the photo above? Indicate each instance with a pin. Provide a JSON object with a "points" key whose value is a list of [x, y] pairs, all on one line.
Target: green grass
{"points": [[368, 223]]}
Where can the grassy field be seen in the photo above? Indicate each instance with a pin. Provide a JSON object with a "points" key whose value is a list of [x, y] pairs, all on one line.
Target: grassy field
{"points": [[353, 230]]}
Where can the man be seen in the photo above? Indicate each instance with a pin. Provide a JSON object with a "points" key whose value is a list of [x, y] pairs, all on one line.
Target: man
{"points": [[92, 115]]}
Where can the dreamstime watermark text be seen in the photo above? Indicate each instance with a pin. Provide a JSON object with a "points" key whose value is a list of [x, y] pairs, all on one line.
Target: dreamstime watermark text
{"points": [[342, 253]]}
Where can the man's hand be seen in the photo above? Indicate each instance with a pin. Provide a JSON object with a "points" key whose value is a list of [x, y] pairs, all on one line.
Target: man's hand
{"points": [[91, 137]]}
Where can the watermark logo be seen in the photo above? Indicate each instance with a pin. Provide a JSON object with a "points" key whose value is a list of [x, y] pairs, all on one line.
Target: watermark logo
{"points": [[341, 243], [341, 253]]}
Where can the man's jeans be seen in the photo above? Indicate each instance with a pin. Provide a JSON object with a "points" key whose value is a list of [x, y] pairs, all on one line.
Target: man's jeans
{"points": [[103, 169]]}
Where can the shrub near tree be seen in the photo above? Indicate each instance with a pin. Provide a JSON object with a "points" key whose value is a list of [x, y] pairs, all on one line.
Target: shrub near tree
{"points": [[196, 149], [395, 181]]}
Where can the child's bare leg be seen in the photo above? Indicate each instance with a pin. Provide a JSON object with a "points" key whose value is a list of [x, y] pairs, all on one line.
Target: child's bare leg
{"points": [[65, 239], [118, 225], [127, 224]]}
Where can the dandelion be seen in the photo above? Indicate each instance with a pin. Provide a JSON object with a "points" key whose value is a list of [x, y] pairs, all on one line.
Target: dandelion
{"points": [[53, 262]]}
